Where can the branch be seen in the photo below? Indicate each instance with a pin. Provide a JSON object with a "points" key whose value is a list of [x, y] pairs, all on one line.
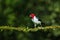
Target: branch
{"points": [[27, 29]]}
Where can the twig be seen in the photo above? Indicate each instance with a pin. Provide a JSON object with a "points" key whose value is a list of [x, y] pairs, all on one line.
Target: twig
{"points": [[27, 29]]}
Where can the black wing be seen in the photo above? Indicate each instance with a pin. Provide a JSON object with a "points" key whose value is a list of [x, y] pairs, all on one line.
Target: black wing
{"points": [[42, 23]]}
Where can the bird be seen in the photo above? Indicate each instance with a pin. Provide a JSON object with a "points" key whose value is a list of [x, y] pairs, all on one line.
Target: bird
{"points": [[35, 20]]}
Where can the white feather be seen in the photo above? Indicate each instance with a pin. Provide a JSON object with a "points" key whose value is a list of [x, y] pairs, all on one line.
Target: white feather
{"points": [[36, 21]]}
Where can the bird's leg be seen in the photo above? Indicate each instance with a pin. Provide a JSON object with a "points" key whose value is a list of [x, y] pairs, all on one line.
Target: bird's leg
{"points": [[40, 24], [35, 25]]}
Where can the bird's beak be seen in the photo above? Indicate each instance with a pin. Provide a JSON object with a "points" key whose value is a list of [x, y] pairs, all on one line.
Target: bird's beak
{"points": [[30, 16]]}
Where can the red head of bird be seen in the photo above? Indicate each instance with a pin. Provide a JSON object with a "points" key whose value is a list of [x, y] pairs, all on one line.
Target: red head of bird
{"points": [[32, 15]]}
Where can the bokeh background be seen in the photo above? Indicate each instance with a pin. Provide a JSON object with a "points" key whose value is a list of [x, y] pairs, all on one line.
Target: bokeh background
{"points": [[15, 13]]}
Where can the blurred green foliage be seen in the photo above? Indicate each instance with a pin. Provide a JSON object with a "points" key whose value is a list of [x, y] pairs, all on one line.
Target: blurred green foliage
{"points": [[16, 13]]}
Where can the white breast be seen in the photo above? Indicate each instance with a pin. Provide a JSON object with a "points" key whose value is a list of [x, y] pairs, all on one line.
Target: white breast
{"points": [[35, 20]]}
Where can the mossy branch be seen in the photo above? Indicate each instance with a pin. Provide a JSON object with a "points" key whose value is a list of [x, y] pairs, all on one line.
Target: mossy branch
{"points": [[27, 29]]}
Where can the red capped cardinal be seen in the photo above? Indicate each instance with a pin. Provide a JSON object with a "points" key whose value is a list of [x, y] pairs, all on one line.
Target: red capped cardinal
{"points": [[35, 20]]}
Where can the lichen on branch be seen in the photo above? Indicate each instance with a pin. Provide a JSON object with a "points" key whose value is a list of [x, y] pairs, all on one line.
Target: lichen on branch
{"points": [[27, 29]]}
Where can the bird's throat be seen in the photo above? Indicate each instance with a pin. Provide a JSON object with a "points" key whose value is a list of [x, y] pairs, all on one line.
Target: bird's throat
{"points": [[32, 17]]}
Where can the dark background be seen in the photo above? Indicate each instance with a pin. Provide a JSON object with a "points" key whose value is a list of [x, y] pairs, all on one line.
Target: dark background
{"points": [[16, 13]]}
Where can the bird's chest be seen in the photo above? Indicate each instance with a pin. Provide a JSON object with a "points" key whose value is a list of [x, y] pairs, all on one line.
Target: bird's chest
{"points": [[35, 20]]}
